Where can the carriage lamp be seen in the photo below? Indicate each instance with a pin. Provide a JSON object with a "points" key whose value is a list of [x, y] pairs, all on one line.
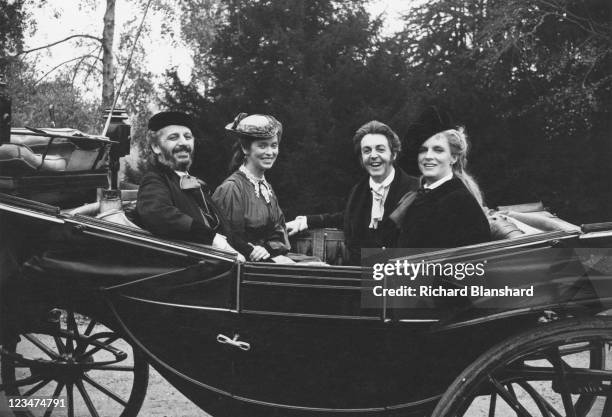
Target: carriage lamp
{"points": [[118, 131], [5, 113]]}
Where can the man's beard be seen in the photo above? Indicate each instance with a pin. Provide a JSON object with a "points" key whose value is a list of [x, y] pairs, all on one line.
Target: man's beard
{"points": [[168, 159]]}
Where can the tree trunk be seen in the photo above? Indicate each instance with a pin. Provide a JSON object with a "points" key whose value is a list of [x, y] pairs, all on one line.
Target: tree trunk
{"points": [[108, 67]]}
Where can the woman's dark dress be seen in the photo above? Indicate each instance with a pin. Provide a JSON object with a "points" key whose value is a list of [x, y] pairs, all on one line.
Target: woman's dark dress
{"points": [[445, 217], [251, 219]]}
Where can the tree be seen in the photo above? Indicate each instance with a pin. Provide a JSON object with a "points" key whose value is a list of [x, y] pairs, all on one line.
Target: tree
{"points": [[108, 68], [12, 26]]}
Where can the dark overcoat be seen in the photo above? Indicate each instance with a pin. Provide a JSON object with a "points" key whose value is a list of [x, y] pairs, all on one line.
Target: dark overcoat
{"points": [[355, 219], [166, 210]]}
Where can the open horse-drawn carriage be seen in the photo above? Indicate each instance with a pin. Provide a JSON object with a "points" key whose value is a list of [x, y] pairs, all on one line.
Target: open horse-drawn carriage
{"points": [[85, 293]]}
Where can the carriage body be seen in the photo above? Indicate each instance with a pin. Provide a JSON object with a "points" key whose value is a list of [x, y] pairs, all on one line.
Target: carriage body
{"points": [[268, 339]]}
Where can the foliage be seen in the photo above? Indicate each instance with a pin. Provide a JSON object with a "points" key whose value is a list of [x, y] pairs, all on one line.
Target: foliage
{"points": [[11, 28], [31, 94], [15, 23], [531, 80], [31, 102]]}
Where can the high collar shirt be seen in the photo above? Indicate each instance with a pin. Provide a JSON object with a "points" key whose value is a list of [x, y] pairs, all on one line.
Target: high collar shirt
{"points": [[438, 183]]}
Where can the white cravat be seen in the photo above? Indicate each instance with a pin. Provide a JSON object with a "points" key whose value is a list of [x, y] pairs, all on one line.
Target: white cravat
{"points": [[379, 195]]}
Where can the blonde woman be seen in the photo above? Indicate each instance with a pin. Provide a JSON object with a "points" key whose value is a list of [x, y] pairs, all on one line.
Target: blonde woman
{"points": [[448, 210]]}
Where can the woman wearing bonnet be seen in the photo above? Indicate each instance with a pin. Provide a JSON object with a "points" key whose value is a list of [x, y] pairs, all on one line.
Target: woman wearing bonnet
{"points": [[246, 197]]}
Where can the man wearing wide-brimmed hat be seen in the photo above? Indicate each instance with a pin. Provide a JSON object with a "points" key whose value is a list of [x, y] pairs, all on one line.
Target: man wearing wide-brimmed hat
{"points": [[172, 203]]}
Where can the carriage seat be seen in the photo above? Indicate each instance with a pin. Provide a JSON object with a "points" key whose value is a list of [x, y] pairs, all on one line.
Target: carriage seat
{"points": [[118, 212], [508, 222], [28, 153], [18, 158]]}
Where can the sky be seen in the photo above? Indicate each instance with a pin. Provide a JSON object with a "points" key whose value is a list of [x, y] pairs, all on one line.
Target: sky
{"points": [[59, 19]]}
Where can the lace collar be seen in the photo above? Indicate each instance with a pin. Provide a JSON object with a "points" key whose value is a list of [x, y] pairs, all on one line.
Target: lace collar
{"points": [[261, 186]]}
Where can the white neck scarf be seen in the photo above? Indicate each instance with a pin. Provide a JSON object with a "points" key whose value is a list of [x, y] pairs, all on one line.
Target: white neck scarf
{"points": [[260, 184], [379, 195]]}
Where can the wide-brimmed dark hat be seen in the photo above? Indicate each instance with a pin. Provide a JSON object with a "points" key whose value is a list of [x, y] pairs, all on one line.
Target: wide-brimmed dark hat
{"points": [[432, 120], [255, 126], [169, 118]]}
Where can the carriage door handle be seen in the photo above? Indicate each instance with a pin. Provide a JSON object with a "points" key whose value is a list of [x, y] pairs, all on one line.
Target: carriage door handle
{"points": [[221, 338]]}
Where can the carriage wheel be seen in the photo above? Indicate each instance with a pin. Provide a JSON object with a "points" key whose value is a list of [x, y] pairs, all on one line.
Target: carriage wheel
{"points": [[76, 359], [561, 369]]}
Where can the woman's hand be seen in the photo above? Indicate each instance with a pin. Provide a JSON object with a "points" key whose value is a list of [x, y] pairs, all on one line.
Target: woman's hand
{"points": [[296, 225], [259, 254]]}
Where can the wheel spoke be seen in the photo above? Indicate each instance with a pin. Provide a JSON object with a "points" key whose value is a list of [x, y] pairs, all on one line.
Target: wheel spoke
{"points": [[71, 326], [61, 348], [107, 342], [82, 344], [559, 365], [70, 398], [32, 379], [56, 394], [607, 411], [105, 391], [40, 345], [543, 405], [36, 388], [88, 402], [510, 389], [507, 396], [492, 404], [90, 327]]}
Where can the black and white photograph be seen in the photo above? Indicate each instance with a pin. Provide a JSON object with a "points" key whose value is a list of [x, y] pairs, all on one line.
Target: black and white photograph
{"points": [[291, 208]]}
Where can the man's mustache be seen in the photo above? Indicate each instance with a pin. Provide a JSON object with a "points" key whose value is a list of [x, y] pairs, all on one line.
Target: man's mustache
{"points": [[182, 148]]}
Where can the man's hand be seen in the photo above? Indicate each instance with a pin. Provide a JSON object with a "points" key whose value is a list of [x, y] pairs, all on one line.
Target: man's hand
{"points": [[259, 254], [220, 242], [296, 225]]}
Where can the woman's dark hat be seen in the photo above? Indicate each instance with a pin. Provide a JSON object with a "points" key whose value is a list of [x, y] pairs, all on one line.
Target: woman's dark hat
{"points": [[169, 118], [432, 120], [255, 126]]}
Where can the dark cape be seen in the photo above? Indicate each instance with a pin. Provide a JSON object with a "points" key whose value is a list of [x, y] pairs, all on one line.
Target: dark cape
{"points": [[355, 219], [164, 209], [445, 217]]}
